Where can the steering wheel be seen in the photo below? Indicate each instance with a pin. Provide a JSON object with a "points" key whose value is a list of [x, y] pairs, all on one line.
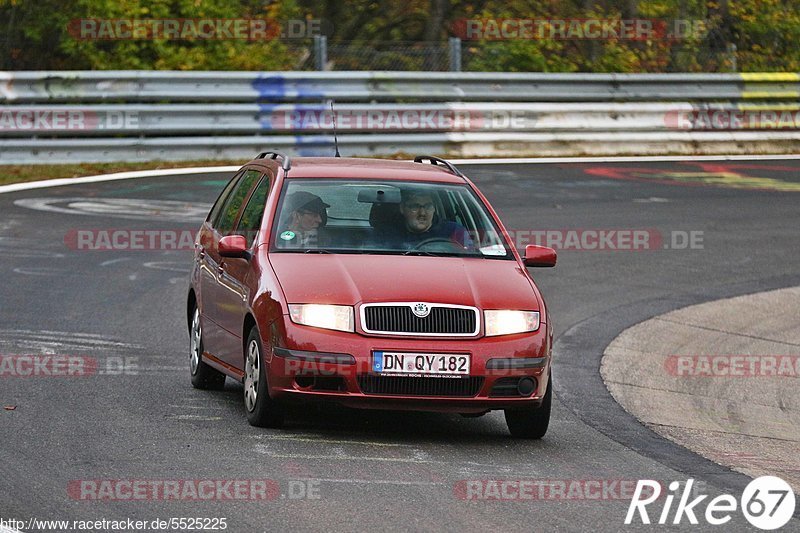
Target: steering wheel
{"points": [[438, 244]]}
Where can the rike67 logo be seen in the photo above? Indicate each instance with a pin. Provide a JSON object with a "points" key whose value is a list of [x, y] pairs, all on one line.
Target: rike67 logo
{"points": [[767, 502]]}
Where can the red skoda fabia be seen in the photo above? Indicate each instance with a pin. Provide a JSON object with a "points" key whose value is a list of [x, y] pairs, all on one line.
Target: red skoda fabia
{"points": [[376, 284]]}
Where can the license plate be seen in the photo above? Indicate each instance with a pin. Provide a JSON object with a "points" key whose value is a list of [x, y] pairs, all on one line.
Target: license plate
{"points": [[420, 363]]}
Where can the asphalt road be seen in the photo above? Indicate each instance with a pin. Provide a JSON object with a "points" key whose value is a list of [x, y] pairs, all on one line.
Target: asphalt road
{"points": [[137, 417]]}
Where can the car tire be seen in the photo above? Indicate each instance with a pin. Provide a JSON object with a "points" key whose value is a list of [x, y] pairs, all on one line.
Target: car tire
{"points": [[531, 423], [203, 376], [262, 411]]}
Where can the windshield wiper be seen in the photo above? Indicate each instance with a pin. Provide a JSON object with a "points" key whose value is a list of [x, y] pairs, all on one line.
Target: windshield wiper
{"points": [[420, 252], [317, 251]]}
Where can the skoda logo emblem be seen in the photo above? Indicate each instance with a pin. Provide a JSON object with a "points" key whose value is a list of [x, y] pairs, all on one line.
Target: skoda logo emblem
{"points": [[421, 310]]}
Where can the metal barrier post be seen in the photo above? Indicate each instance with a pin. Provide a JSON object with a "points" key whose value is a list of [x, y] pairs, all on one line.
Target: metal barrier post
{"points": [[321, 52], [455, 54], [732, 56]]}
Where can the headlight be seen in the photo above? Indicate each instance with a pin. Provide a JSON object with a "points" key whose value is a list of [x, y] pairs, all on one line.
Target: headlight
{"points": [[338, 317], [506, 322]]}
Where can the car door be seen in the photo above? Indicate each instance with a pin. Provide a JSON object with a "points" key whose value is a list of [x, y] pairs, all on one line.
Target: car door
{"points": [[226, 298], [236, 275], [207, 267]]}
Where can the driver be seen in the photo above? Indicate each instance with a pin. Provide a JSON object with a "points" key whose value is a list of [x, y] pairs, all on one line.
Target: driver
{"points": [[419, 224]]}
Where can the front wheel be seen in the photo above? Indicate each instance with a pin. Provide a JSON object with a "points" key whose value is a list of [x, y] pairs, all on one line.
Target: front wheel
{"points": [[203, 376], [531, 423], [262, 411]]}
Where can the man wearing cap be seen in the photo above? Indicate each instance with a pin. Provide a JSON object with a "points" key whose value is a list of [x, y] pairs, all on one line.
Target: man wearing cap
{"points": [[307, 213]]}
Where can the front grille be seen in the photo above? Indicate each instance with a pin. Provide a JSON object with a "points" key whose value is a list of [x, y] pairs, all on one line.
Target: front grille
{"points": [[416, 386], [400, 319]]}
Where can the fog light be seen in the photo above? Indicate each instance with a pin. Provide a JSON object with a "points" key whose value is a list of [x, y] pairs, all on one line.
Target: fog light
{"points": [[304, 382], [526, 386]]}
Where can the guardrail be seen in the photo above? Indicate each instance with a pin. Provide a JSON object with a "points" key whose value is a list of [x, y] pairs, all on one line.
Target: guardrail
{"points": [[48, 117], [155, 86]]}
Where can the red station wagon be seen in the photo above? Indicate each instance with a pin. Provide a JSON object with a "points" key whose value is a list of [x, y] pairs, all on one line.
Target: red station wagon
{"points": [[376, 284]]}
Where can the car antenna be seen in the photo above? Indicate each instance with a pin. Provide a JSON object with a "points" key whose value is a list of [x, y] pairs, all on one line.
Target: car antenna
{"points": [[335, 138]]}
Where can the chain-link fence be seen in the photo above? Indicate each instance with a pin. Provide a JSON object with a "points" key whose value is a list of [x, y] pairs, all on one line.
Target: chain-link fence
{"points": [[711, 54], [321, 54]]}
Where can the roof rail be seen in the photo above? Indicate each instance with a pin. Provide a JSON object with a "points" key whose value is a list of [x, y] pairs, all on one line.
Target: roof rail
{"points": [[286, 164], [438, 161]]}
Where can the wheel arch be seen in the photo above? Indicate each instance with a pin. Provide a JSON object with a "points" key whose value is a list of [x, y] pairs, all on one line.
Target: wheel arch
{"points": [[191, 304], [247, 325]]}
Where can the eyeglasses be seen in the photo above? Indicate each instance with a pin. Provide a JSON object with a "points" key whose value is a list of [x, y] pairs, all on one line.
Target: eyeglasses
{"points": [[416, 207]]}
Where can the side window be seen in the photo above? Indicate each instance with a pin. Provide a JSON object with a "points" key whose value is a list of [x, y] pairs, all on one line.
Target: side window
{"points": [[463, 211], [234, 203], [214, 214], [254, 211]]}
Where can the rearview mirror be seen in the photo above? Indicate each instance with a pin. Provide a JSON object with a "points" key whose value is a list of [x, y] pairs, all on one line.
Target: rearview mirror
{"points": [[539, 256], [234, 246]]}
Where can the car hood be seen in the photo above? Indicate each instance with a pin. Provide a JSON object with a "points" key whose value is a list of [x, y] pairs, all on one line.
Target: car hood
{"points": [[346, 279]]}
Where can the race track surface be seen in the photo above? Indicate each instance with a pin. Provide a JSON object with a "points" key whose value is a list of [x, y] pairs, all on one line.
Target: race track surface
{"points": [[138, 417]]}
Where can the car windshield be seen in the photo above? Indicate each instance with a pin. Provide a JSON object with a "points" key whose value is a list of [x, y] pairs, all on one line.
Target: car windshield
{"points": [[400, 218]]}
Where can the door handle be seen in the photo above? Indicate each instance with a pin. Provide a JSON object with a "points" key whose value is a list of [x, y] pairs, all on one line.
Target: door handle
{"points": [[221, 268], [201, 252]]}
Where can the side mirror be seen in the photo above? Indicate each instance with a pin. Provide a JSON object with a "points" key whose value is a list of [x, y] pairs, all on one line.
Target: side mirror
{"points": [[539, 256], [234, 246]]}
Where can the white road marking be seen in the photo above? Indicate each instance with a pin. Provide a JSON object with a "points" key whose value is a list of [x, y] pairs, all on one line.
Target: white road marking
{"points": [[51, 332], [652, 199], [24, 247], [40, 271], [334, 441], [112, 261], [347, 458], [14, 187], [113, 177], [127, 208], [157, 368], [195, 417], [203, 407], [63, 337], [169, 265]]}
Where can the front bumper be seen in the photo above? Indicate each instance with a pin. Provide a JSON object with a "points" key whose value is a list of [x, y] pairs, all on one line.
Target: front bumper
{"points": [[312, 364]]}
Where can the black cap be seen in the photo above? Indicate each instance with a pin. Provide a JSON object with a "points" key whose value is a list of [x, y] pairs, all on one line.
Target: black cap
{"points": [[307, 201]]}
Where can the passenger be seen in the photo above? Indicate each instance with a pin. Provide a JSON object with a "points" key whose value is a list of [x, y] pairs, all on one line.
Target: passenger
{"points": [[308, 213]]}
